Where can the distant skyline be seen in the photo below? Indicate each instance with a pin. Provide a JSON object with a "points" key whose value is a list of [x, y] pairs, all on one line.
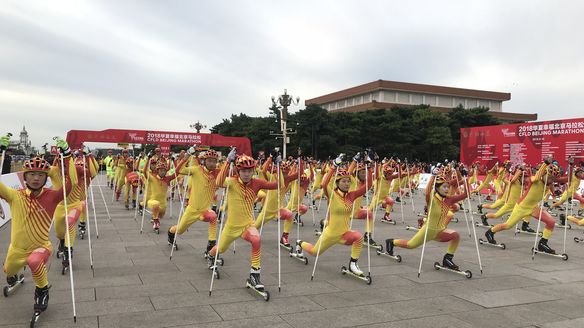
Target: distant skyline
{"points": [[154, 65]]}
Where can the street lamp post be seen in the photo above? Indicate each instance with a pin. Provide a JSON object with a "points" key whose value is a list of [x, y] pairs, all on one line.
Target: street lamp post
{"points": [[282, 104], [197, 126]]}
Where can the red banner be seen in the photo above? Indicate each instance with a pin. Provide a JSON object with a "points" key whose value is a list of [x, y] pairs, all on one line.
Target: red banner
{"points": [[164, 139], [523, 143]]}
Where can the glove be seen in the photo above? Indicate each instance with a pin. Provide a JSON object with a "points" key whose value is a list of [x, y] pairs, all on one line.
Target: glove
{"points": [[191, 151], [231, 156], [150, 154], [339, 160], [4, 142], [86, 150], [357, 157], [384, 160], [64, 147]]}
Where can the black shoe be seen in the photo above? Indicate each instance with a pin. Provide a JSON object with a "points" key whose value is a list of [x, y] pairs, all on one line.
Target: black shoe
{"points": [[82, 227], [545, 204], [525, 227], [480, 208], [254, 279], [214, 208], [397, 199], [133, 204], [369, 240], [484, 219], [170, 237], [12, 280], [563, 219], [490, 236], [448, 263], [210, 245], [321, 225], [41, 299], [542, 246], [389, 246]]}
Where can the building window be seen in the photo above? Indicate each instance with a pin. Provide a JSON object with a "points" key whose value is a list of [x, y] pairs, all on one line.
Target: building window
{"points": [[471, 103], [444, 101], [417, 99], [403, 98], [350, 102], [430, 100]]}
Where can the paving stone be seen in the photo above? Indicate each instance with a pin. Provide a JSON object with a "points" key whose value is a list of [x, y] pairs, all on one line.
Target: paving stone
{"points": [[506, 297], [162, 318]]}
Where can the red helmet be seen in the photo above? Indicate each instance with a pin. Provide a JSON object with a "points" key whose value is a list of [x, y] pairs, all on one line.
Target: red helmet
{"points": [[161, 165], [554, 170], [245, 162], [342, 173], [129, 161], [36, 164], [211, 154], [285, 166]]}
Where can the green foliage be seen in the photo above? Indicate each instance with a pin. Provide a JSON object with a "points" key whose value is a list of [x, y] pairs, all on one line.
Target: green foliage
{"points": [[408, 132]]}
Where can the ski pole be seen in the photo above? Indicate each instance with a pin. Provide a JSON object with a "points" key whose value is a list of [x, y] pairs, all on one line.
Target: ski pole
{"points": [[330, 200], [426, 225], [464, 212], [401, 201], [567, 206], [61, 155], [467, 189], [540, 213], [87, 213], [144, 199], [220, 230], [180, 214]]}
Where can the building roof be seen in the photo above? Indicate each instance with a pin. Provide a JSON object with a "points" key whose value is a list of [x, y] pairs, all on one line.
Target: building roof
{"points": [[408, 87]]}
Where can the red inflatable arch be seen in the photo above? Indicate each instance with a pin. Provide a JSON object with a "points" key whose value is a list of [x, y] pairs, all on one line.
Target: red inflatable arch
{"points": [[164, 139]]}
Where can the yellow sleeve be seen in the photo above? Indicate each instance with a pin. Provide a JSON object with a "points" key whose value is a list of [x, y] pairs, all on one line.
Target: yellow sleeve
{"points": [[7, 193]]}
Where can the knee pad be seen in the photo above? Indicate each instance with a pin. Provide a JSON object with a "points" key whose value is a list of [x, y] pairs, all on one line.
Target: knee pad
{"points": [[303, 209], [209, 216], [286, 214], [363, 214]]}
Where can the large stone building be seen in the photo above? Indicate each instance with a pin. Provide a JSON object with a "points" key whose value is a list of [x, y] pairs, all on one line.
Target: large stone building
{"points": [[388, 94], [22, 145]]}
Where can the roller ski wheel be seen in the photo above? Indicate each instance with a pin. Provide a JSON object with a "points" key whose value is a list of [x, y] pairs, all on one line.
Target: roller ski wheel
{"points": [[519, 231], [366, 278], [390, 221], [287, 247], [262, 292], [298, 256], [479, 224], [562, 256], [317, 232], [578, 240], [7, 290], [561, 226], [411, 228], [220, 260], [173, 245], [35, 319], [467, 273], [397, 258], [484, 242], [455, 220]]}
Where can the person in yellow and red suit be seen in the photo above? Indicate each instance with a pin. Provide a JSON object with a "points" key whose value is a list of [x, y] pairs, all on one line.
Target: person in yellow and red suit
{"points": [[485, 184], [241, 191], [337, 227], [74, 205], [500, 186], [528, 206], [510, 197], [131, 183], [121, 170], [157, 186], [204, 175], [270, 210], [357, 181], [92, 168], [32, 209], [381, 194], [294, 205], [439, 215], [575, 177]]}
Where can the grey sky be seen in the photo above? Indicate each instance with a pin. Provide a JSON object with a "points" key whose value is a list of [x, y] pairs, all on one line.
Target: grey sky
{"points": [[166, 64]]}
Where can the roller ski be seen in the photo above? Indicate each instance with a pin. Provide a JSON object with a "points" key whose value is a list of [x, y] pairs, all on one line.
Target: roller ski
{"points": [[563, 222], [13, 283], [480, 208], [387, 219], [298, 220], [82, 230], [284, 242], [298, 254], [206, 255], [491, 240], [127, 206], [525, 229], [319, 232], [412, 228], [354, 271], [389, 251], [41, 302], [448, 265], [156, 226], [484, 222], [368, 240], [544, 248], [254, 283], [65, 262], [578, 240], [213, 266], [171, 241]]}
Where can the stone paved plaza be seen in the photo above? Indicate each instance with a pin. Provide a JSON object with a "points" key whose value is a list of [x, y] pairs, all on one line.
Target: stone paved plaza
{"points": [[134, 284]]}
